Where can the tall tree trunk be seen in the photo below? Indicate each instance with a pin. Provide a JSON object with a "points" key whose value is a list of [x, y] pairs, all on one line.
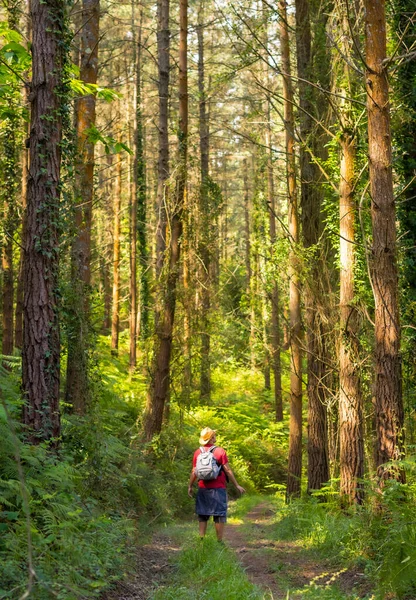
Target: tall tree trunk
{"points": [[275, 334], [250, 264], [25, 167], [108, 246], [205, 251], [295, 426], [138, 238], [77, 385], [351, 426], [187, 300], [403, 20], [163, 45], [9, 200], [314, 293], [350, 403], [164, 327], [41, 341], [9, 194], [115, 318], [388, 381]]}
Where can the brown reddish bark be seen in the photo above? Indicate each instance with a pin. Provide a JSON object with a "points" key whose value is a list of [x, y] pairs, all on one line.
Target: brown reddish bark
{"points": [[41, 340], [350, 402], [351, 426], [164, 327], [77, 385], [295, 424], [388, 378], [115, 318], [187, 301]]}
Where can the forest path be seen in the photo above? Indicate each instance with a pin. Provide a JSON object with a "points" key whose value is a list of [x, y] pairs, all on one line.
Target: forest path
{"points": [[283, 569], [154, 563]]}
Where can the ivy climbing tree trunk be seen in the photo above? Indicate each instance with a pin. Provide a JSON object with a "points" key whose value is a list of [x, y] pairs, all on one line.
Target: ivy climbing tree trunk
{"points": [[164, 327], [295, 426], [77, 385], [8, 194], [41, 340], [388, 382], [10, 220], [313, 291], [138, 240]]}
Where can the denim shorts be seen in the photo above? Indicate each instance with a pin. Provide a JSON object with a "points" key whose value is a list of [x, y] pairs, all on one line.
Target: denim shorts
{"points": [[211, 502]]}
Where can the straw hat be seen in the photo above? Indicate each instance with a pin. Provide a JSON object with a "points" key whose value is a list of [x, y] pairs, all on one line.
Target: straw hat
{"points": [[206, 435]]}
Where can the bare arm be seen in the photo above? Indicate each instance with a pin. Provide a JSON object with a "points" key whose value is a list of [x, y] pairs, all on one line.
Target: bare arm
{"points": [[192, 480], [231, 475]]}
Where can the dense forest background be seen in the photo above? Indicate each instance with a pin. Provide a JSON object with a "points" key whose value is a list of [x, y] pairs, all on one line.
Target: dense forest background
{"points": [[208, 219]]}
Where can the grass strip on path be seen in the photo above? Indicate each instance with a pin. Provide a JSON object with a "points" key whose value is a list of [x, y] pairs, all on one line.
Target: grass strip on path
{"points": [[205, 569]]}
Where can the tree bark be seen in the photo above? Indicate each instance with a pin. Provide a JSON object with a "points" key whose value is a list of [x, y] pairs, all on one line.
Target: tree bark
{"points": [[206, 225], [138, 238], [295, 425], [41, 340], [115, 318], [350, 402], [9, 200], [388, 381], [163, 46], [314, 293], [9, 195], [164, 327], [275, 333], [77, 384], [351, 426], [19, 288], [107, 246]]}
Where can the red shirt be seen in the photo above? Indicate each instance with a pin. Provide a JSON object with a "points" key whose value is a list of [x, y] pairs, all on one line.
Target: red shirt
{"points": [[222, 459]]}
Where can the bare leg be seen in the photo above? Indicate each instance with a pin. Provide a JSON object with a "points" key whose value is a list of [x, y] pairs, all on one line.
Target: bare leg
{"points": [[219, 530], [203, 528]]}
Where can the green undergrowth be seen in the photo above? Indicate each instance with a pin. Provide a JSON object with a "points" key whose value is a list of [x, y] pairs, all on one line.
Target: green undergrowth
{"points": [[88, 504], [377, 540]]}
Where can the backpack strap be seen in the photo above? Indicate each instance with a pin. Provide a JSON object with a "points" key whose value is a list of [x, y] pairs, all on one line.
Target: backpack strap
{"points": [[203, 450]]}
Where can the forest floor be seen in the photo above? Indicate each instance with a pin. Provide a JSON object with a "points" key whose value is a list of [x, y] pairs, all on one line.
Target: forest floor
{"points": [[279, 569]]}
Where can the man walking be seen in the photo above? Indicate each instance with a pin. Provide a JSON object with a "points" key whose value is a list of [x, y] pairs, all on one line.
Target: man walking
{"points": [[211, 499]]}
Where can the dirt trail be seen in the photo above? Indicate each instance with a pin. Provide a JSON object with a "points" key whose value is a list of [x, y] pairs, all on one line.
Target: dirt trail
{"points": [[153, 565], [277, 566]]}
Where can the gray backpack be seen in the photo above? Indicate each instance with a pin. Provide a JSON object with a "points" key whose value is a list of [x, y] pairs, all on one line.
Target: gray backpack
{"points": [[207, 467]]}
